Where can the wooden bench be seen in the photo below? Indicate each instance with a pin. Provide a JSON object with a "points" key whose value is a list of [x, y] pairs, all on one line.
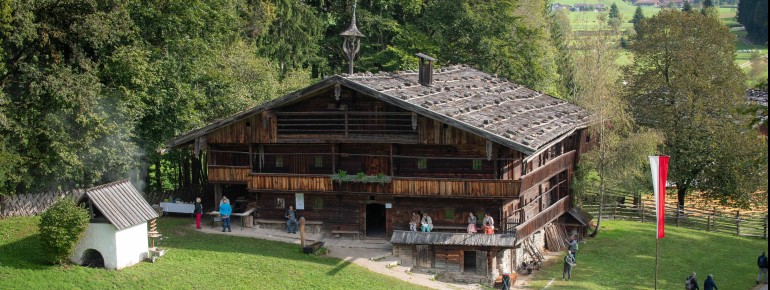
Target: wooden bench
{"points": [[312, 227], [338, 232], [450, 228], [244, 214]]}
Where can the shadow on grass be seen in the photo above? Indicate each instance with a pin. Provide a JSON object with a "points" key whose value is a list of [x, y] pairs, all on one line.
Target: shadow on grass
{"points": [[177, 234], [340, 266], [26, 253]]}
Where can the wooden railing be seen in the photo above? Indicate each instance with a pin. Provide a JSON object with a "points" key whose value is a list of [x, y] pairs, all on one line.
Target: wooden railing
{"points": [[546, 216], [345, 123], [399, 186], [545, 172], [228, 174], [453, 187]]}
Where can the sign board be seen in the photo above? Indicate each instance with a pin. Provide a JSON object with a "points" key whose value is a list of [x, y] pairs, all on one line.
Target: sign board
{"points": [[388, 205], [299, 201]]}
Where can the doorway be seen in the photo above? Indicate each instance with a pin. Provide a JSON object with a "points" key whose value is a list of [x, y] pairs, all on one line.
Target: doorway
{"points": [[469, 261], [92, 258], [375, 220]]}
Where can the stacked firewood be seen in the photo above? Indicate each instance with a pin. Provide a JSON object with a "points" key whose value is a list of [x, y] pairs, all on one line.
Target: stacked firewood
{"points": [[555, 238]]}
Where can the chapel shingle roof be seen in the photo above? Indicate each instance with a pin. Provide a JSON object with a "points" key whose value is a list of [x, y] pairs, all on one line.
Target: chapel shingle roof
{"points": [[121, 204]]}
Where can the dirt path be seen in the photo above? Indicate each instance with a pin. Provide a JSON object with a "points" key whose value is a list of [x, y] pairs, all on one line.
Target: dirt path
{"points": [[380, 261]]}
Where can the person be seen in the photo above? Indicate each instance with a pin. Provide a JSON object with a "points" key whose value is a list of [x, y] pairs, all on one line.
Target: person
{"points": [[426, 222], [692, 283], [762, 264], [573, 246], [225, 210], [291, 220], [489, 224], [569, 262], [198, 212], [709, 284], [414, 221], [471, 223]]}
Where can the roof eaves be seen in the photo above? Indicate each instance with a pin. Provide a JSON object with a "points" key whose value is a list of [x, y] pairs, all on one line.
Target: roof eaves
{"points": [[190, 136]]}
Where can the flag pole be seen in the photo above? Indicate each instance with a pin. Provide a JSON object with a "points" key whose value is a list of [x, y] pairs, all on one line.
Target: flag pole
{"points": [[656, 263]]}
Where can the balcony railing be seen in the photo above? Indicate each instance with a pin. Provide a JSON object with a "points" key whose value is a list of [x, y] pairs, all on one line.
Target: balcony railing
{"points": [[345, 124], [399, 186], [531, 225], [545, 172]]}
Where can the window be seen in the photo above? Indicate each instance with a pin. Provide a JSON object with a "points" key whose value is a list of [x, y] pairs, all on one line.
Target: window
{"points": [[280, 202], [476, 164], [279, 161], [449, 214], [422, 163], [319, 161], [318, 203]]}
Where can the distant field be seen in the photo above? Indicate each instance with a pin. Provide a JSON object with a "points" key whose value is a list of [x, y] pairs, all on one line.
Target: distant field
{"points": [[588, 21]]}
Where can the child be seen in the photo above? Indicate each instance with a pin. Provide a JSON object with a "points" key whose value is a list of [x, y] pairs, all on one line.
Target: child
{"points": [[198, 212]]}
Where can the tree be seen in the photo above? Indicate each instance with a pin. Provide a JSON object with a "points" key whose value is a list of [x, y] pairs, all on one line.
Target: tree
{"points": [[61, 227], [638, 17], [618, 162], [614, 12], [685, 84], [687, 7], [708, 8], [752, 14]]}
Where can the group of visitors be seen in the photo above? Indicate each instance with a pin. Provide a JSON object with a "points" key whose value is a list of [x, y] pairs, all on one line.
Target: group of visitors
{"points": [[570, 259], [425, 223], [423, 219], [691, 283]]}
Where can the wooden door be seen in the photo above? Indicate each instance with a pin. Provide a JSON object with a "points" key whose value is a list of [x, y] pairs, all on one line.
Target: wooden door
{"points": [[423, 256]]}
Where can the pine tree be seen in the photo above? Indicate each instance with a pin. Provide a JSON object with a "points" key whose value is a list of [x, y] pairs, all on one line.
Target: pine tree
{"points": [[638, 17], [708, 5], [687, 7], [614, 12]]}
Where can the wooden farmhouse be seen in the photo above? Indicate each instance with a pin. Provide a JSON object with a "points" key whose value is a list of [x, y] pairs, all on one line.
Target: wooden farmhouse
{"points": [[358, 153]]}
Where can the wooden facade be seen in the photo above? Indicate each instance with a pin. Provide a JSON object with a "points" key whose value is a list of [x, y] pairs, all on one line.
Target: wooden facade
{"points": [[365, 151]]}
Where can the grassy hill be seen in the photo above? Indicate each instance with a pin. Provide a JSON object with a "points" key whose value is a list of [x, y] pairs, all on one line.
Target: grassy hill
{"points": [[194, 261], [622, 256]]}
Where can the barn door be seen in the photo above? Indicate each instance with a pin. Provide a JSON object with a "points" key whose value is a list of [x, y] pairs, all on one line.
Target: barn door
{"points": [[481, 262], [423, 256]]}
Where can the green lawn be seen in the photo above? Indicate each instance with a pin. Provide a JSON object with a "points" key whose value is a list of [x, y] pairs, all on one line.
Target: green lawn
{"points": [[623, 257], [194, 261]]}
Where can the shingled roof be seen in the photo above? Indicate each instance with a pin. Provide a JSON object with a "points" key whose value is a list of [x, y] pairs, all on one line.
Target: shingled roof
{"points": [[471, 100], [121, 204], [450, 239], [526, 117]]}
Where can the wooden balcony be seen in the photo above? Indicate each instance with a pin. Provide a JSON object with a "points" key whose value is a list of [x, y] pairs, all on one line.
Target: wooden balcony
{"points": [[551, 168], [399, 186], [533, 224]]}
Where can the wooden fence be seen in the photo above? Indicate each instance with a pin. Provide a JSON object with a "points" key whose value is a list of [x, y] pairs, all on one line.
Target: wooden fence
{"points": [[734, 222], [32, 204]]}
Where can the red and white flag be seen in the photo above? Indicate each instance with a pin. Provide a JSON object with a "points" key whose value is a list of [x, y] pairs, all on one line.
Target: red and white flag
{"points": [[659, 166]]}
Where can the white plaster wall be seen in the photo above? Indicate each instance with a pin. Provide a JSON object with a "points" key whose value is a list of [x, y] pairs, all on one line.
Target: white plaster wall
{"points": [[131, 245], [100, 237]]}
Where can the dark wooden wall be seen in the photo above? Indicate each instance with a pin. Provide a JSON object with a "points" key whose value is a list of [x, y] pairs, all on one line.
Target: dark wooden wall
{"points": [[258, 128]]}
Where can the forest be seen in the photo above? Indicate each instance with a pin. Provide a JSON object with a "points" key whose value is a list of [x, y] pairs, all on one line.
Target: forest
{"points": [[91, 89]]}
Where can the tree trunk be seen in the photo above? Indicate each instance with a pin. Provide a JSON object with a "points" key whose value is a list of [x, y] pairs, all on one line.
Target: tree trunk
{"points": [[680, 192], [158, 178]]}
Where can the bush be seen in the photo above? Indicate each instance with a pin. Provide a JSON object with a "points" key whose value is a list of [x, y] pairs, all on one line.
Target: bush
{"points": [[61, 227]]}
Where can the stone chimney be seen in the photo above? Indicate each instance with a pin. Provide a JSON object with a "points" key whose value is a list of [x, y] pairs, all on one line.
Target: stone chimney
{"points": [[426, 70]]}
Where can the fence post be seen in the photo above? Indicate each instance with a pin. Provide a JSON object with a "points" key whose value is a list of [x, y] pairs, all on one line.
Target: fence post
{"points": [[641, 205], [615, 211], [677, 215], [714, 218], [738, 222], [708, 223], [764, 228]]}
